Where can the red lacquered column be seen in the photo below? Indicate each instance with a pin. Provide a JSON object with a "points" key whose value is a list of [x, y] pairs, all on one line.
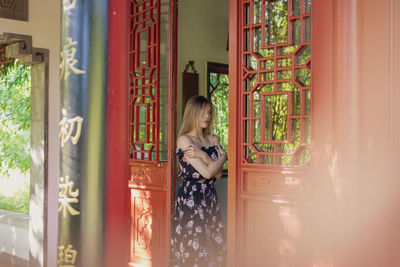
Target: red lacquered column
{"points": [[117, 193]]}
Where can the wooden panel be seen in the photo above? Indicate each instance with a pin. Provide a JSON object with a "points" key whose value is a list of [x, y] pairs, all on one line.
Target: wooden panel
{"points": [[148, 217], [273, 110], [152, 111], [190, 87], [275, 234], [270, 184], [148, 173]]}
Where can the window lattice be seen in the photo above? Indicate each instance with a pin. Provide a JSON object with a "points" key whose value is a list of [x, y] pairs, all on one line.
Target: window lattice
{"points": [[276, 86], [144, 80]]}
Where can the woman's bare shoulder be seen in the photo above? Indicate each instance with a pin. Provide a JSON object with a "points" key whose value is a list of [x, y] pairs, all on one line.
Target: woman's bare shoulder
{"points": [[183, 141]]}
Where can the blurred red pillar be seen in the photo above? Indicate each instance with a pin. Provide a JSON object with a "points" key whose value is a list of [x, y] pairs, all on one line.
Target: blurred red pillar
{"points": [[117, 193], [355, 180]]}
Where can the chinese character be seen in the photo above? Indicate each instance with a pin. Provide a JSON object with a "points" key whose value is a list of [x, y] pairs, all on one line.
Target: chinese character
{"points": [[68, 60], [67, 126], [69, 4], [66, 256], [66, 196], [8, 4]]}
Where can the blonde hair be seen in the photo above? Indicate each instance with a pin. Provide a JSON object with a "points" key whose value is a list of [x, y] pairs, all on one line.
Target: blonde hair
{"points": [[192, 113]]}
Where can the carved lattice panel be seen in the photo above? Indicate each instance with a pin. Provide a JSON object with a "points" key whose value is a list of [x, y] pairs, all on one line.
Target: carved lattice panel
{"points": [[148, 227], [144, 119], [276, 82], [150, 127]]}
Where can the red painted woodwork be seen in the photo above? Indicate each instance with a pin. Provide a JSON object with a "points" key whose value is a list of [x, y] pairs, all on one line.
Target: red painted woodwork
{"points": [[151, 132], [275, 68], [145, 80], [394, 129], [323, 133], [148, 226], [233, 146], [270, 186], [116, 239], [352, 122], [190, 87], [172, 96], [329, 211], [149, 214]]}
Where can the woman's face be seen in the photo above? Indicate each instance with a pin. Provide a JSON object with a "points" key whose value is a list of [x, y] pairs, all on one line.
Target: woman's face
{"points": [[205, 116]]}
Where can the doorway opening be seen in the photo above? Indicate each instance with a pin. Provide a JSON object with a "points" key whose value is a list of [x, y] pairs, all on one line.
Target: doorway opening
{"points": [[202, 68], [24, 102]]}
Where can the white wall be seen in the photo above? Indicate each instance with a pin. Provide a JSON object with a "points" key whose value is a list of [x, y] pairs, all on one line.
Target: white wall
{"points": [[202, 36], [44, 27], [14, 234]]}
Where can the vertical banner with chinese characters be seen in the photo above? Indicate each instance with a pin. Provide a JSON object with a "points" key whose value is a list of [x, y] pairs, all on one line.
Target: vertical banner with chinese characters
{"points": [[82, 133]]}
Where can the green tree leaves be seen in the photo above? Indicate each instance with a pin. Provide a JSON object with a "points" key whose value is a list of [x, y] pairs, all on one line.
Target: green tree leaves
{"points": [[220, 99], [15, 118]]}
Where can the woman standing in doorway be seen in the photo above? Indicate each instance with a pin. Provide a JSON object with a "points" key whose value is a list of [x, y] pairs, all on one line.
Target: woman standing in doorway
{"points": [[197, 237]]}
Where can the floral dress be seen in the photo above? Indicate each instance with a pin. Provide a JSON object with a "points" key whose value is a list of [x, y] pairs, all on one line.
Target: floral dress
{"points": [[197, 234]]}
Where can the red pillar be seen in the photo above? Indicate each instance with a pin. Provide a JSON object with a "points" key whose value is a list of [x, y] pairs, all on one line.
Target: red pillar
{"points": [[117, 193], [356, 201], [337, 65]]}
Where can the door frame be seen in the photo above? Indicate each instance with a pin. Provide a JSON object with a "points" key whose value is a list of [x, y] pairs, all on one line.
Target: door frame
{"points": [[235, 209], [337, 110], [233, 133]]}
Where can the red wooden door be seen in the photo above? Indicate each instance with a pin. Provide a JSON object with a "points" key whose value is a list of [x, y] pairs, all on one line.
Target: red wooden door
{"points": [[151, 131], [270, 194]]}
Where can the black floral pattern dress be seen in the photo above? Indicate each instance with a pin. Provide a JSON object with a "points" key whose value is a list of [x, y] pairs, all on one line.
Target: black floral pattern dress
{"points": [[197, 233]]}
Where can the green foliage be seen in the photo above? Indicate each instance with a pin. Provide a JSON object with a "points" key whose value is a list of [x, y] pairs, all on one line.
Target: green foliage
{"points": [[19, 202], [15, 118], [219, 98]]}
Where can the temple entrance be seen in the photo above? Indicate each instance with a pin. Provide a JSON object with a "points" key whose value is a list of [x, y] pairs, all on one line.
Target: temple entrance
{"points": [[161, 81], [269, 125]]}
